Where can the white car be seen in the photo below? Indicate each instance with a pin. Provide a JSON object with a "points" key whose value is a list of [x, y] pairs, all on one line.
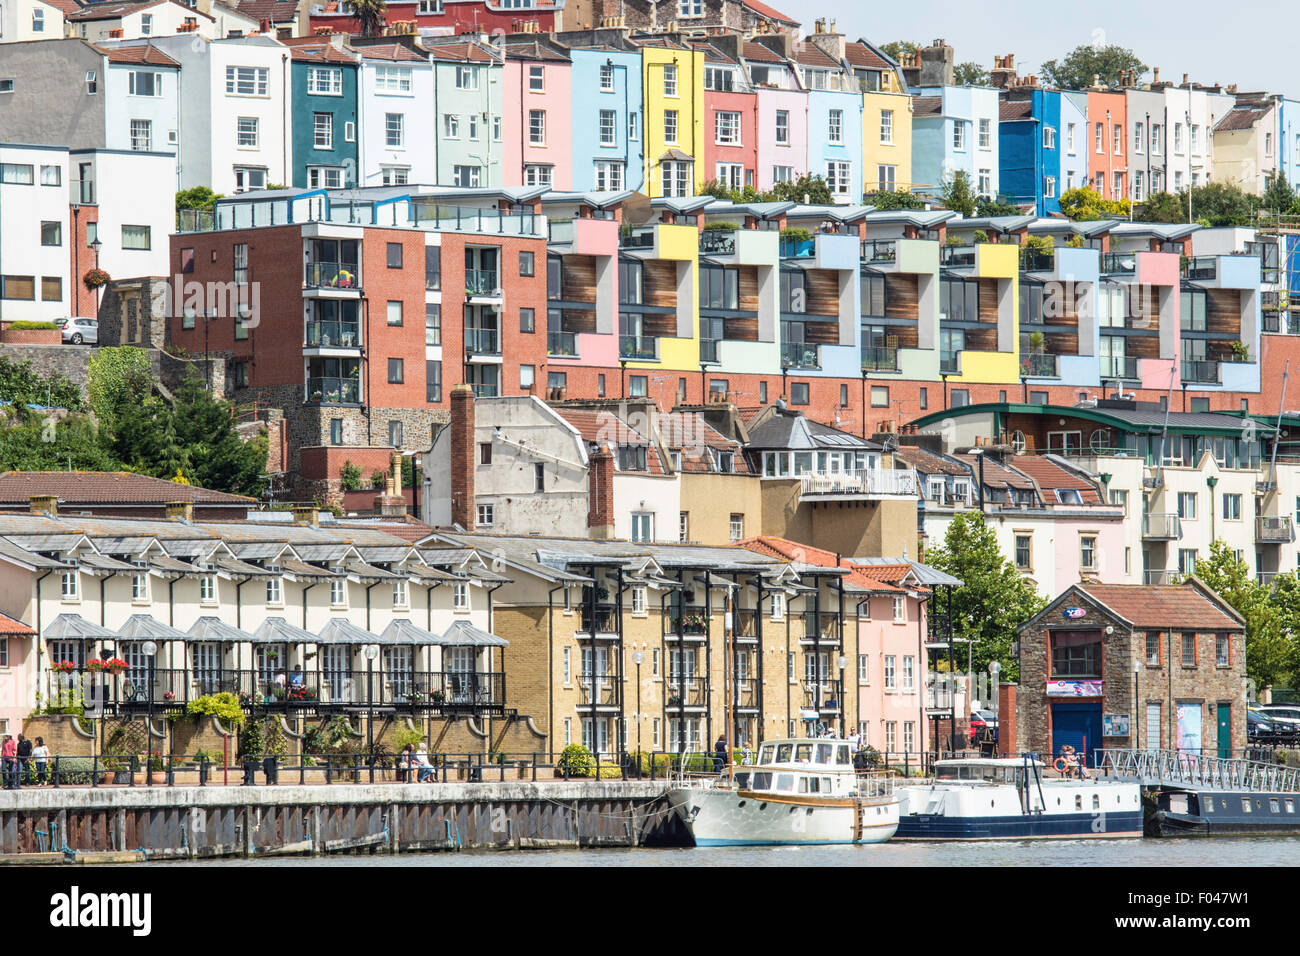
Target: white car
{"points": [[79, 329]]}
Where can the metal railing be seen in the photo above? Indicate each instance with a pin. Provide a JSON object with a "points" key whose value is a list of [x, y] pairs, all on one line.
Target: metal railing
{"points": [[746, 693], [643, 348], [1191, 769], [957, 256], [822, 627], [1166, 527], [799, 355], [562, 343], [1161, 576], [879, 359], [605, 618], [332, 275], [1118, 366], [1037, 260], [686, 692], [332, 334], [694, 621], [824, 696], [1039, 366], [637, 239], [1119, 263], [869, 481], [1274, 530], [879, 250], [603, 694], [334, 391], [482, 341], [797, 248], [949, 363], [718, 242], [744, 624], [709, 350], [1200, 267], [1265, 578], [481, 281], [1201, 372]]}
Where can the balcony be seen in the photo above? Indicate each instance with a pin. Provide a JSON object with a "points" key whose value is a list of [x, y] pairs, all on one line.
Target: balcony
{"points": [[879, 359], [85, 190], [1119, 263], [482, 341], [822, 628], [482, 282], [949, 363], [940, 691], [637, 239], [605, 617], [489, 390], [1160, 577], [643, 348], [1272, 320], [333, 391], [957, 256], [332, 275], [709, 350], [1118, 367], [1200, 267], [871, 481], [797, 248], [1265, 578], [1161, 527], [879, 250], [1274, 530], [694, 622], [799, 355], [822, 696], [746, 693], [333, 335], [744, 624], [1037, 260], [1039, 366], [718, 242], [604, 694], [1201, 372], [686, 692], [562, 344]]}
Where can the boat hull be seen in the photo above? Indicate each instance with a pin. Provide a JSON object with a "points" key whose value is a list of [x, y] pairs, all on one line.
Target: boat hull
{"points": [[1034, 826], [729, 818], [1268, 815]]}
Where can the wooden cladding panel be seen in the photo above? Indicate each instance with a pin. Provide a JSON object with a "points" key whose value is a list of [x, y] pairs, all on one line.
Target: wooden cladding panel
{"points": [[661, 325], [822, 291], [740, 330], [902, 296], [982, 340], [988, 298], [1063, 341], [578, 278], [1223, 311], [821, 333], [748, 289], [579, 320], [659, 282]]}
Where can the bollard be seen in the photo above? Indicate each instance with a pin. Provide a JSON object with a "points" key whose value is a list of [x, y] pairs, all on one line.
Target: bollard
{"points": [[271, 770], [250, 771]]}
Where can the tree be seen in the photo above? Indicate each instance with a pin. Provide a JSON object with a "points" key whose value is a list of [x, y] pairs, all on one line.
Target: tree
{"points": [[1083, 63], [45, 443], [957, 194], [900, 199], [1270, 653], [898, 49], [1278, 196], [118, 378], [1084, 203], [199, 197], [1163, 207], [22, 385], [987, 207], [970, 74], [369, 15], [1222, 204], [994, 599], [807, 188]]}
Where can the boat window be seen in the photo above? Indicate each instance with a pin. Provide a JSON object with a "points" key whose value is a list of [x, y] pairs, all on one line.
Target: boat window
{"points": [[1209, 805], [1078, 801], [762, 781], [826, 785], [785, 782], [1245, 804], [1096, 802], [765, 755], [1273, 805], [803, 784], [783, 753], [842, 757], [803, 753], [824, 752], [742, 781]]}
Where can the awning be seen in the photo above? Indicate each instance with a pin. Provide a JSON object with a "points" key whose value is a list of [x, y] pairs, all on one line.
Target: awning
{"points": [[465, 634], [74, 627], [342, 631], [401, 631], [214, 629], [142, 627], [276, 630]]}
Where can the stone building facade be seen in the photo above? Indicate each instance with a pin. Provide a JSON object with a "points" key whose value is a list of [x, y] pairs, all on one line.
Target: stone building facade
{"points": [[1127, 666]]}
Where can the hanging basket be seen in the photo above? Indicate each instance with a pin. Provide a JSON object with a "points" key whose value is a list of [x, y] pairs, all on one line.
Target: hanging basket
{"points": [[94, 278]]}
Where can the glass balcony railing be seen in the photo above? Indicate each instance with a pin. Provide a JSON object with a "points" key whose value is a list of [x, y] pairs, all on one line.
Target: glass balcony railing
{"points": [[326, 335], [1274, 530], [334, 391], [643, 348], [718, 242], [1039, 366], [1162, 527], [957, 256], [1200, 267], [797, 248], [799, 355], [562, 343], [1037, 260], [1119, 263], [638, 239], [708, 350], [879, 250], [1160, 576], [949, 363], [482, 341], [332, 275], [481, 281], [1201, 372], [488, 390], [879, 359], [1119, 366]]}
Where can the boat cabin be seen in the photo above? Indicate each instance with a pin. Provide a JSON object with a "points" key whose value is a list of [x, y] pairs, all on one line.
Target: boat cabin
{"points": [[993, 770], [806, 754]]}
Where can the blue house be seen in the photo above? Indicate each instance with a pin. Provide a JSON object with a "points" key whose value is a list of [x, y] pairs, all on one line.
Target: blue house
{"points": [[954, 129], [607, 155], [323, 87], [1029, 148]]}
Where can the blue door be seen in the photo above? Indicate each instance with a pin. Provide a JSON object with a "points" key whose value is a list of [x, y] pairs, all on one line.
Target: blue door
{"points": [[1078, 725]]}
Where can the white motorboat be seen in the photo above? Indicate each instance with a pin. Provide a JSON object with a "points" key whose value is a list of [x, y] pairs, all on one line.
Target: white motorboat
{"points": [[800, 791], [1010, 798]]}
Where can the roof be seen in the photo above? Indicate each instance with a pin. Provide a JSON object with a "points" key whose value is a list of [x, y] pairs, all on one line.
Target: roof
{"points": [[760, 53], [1013, 110], [395, 52], [67, 6], [534, 50], [805, 554], [927, 105], [928, 463], [786, 429], [465, 634], [928, 576], [323, 53], [770, 13], [861, 53], [108, 487], [147, 54], [597, 427], [1241, 117], [277, 11], [1143, 417], [810, 55], [691, 434], [1164, 606], [1048, 474], [467, 52], [995, 475], [113, 11], [12, 627]]}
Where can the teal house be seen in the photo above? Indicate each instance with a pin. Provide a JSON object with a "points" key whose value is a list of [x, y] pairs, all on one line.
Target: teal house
{"points": [[324, 115]]}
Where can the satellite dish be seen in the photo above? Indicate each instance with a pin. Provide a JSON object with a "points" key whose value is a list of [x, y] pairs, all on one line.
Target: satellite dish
{"points": [[1018, 443]]}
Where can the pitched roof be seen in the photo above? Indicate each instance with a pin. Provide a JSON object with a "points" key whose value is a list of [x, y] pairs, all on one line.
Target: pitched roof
{"points": [[67, 6], [861, 54], [927, 463], [113, 11], [147, 54], [770, 13], [598, 427], [107, 487], [277, 11], [996, 475], [467, 52], [760, 53], [1241, 117], [533, 50], [806, 554], [813, 56], [1162, 606], [1048, 474], [12, 627], [321, 53], [395, 52], [927, 105], [1011, 110]]}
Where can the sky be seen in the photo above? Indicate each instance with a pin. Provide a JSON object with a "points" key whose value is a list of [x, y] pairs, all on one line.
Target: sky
{"points": [[1246, 42]]}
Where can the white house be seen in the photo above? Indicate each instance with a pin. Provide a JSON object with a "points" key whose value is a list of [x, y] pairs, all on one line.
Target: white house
{"points": [[141, 98], [145, 19], [132, 224], [396, 136], [34, 233], [32, 19]]}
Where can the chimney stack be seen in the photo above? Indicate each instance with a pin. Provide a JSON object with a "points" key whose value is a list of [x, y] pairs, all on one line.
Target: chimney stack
{"points": [[44, 505], [179, 510], [305, 516], [1155, 75], [462, 457], [600, 494]]}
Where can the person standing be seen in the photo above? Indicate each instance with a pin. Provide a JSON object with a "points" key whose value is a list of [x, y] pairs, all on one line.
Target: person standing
{"points": [[720, 754], [24, 760], [9, 754], [855, 741], [41, 755]]}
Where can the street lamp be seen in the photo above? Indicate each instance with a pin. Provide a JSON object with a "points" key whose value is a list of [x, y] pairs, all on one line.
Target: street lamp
{"points": [[1137, 669], [841, 662], [371, 652], [150, 649], [638, 658], [97, 245], [995, 671]]}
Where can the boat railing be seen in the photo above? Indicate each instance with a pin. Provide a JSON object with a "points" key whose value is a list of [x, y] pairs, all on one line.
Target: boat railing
{"points": [[875, 784], [1193, 769]]}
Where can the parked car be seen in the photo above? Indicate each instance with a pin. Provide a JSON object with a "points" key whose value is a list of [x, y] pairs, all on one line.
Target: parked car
{"points": [[1284, 720], [979, 719], [79, 329], [1259, 729]]}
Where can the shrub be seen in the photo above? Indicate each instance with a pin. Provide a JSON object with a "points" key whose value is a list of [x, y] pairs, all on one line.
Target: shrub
{"points": [[26, 324], [377, 478], [407, 735], [795, 234], [224, 705], [721, 227], [578, 760], [350, 476], [76, 770]]}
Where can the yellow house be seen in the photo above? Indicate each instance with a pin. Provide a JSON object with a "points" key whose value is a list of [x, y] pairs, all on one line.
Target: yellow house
{"points": [[660, 308], [886, 118], [991, 352], [672, 81]]}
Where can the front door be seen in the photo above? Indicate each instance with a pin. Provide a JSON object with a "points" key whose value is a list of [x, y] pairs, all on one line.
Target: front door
{"points": [[1153, 726], [1078, 725], [337, 666], [1225, 729]]}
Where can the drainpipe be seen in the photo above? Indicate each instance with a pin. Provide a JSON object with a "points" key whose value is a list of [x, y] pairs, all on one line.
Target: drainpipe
{"points": [[304, 608], [368, 590], [38, 622], [550, 664]]}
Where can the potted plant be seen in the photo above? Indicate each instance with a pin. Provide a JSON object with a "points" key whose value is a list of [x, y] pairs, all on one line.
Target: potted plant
{"points": [[115, 665], [64, 667], [169, 696], [1240, 353], [94, 665], [95, 278], [438, 697]]}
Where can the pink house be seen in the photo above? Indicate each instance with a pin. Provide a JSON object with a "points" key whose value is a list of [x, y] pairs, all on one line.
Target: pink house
{"points": [[782, 116], [537, 118]]}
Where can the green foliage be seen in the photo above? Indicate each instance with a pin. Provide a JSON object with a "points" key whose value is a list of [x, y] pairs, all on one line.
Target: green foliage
{"points": [[407, 735], [199, 197], [1083, 203], [1240, 351], [957, 193], [1278, 196], [377, 478], [75, 770], [996, 207], [27, 325], [897, 49], [225, 706], [970, 74], [994, 599], [807, 188], [1163, 207], [1037, 244], [980, 236], [1214, 204], [578, 760], [21, 384], [263, 738], [369, 15], [795, 234], [350, 476], [45, 443], [721, 227], [897, 199], [1081, 64], [1271, 617], [120, 377]]}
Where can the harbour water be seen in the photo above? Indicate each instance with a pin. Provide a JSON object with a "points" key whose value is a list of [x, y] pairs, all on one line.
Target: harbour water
{"points": [[1212, 852]]}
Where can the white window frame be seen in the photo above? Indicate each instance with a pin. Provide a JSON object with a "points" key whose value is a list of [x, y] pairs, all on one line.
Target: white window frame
{"points": [[726, 128], [887, 127], [835, 127], [324, 81], [256, 78], [985, 134]]}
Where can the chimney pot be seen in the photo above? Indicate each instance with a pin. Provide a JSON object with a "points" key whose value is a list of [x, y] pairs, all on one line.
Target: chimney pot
{"points": [[1155, 74], [305, 516], [44, 505]]}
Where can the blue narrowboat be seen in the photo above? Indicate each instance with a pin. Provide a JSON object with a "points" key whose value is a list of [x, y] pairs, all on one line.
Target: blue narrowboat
{"points": [[1226, 812]]}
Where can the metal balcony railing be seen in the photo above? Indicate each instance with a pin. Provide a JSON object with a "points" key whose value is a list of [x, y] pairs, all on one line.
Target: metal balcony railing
{"points": [[694, 621], [709, 350], [644, 348], [744, 624], [326, 335], [1274, 530], [605, 617], [745, 693], [603, 694], [686, 692], [879, 359], [1201, 372], [1265, 578], [1039, 366], [822, 696], [1200, 267], [1162, 527], [799, 355], [880, 250], [1118, 366], [562, 343], [949, 363], [481, 282], [718, 242], [820, 628], [1160, 576], [870, 481], [482, 341], [334, 391], [332, 275]]}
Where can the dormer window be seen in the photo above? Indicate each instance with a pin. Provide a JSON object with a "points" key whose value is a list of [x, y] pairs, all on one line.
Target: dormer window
{"points": [[726, 462]]}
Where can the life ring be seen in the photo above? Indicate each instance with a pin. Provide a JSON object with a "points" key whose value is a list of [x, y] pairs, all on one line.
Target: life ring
{"points": [[1061, 765]]}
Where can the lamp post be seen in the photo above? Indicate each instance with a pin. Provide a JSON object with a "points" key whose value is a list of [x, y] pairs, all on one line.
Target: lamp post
{"points": [[1137, 669], [371, 652], [97, 245], [995, 672], [841, 662], [150, 649], [638, 658]]}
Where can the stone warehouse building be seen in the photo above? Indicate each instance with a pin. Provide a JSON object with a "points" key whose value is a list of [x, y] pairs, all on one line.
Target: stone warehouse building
{"points": [[1111, 665]]}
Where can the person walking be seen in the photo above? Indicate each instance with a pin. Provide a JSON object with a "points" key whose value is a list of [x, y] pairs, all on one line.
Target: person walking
{"points": [[9, 755], [41, 755], [24, 754]]}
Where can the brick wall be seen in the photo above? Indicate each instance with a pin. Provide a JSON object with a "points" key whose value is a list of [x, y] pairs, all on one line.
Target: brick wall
{"points": [[463, 453]]}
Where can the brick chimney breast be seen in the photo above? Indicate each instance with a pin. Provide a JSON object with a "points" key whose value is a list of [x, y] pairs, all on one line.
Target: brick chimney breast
{"points": [[600, 493], [462, 456]]}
